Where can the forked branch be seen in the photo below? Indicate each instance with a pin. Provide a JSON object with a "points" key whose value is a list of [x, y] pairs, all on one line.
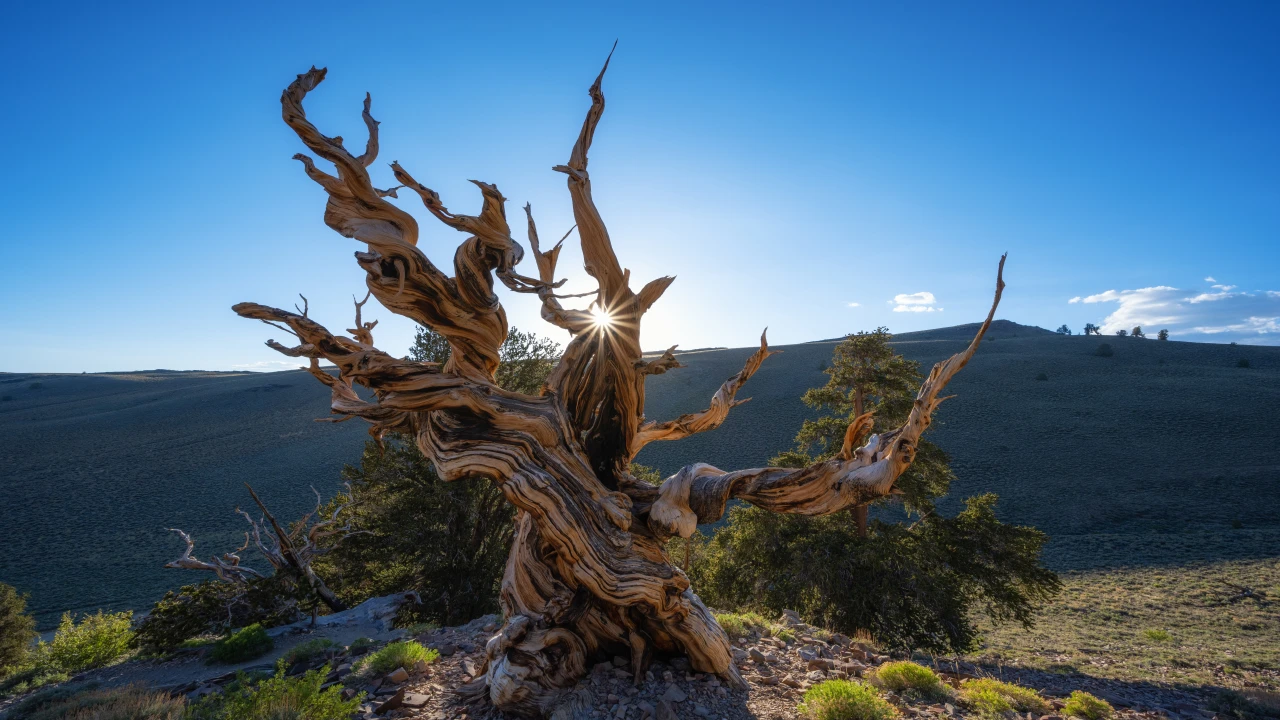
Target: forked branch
{"points": [[698, 493], [722, 402]]}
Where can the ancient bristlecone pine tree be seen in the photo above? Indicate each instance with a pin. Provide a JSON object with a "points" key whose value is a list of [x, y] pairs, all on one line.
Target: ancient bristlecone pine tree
{"points": [[587, 575]]}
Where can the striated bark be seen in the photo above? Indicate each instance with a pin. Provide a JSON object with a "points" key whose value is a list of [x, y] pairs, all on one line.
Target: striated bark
{"points": [[587, 574]]}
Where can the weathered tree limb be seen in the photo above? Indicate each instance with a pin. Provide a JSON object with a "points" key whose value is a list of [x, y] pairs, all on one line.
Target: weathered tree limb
{"points": [[227, 567], [698, 493], [709, 419]]}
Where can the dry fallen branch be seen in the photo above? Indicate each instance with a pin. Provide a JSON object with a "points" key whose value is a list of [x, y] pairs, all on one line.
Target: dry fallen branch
{"points": [[588, 575]]}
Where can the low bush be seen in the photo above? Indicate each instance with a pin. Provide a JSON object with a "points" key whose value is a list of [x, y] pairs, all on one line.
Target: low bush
{"points": [[1104, 350], [1242, 363], [1042, 377], [277, 698], [212, 607], [905, 676], [782, 632], [362, 645], [992, 698], [402, 654], [29, 678], [122, 703], [95, 641], [845, 700], [738, 625], [17, 629], [1083, 705], [310, 650], [245, 644], [1160, 636]]}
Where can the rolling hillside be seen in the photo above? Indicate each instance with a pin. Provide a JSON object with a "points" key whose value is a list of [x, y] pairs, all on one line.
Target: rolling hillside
{"points": [[1164, 453]]}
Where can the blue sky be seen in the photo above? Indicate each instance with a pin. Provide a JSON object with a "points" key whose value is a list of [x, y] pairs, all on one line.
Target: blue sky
{"points": [[815, 170]]}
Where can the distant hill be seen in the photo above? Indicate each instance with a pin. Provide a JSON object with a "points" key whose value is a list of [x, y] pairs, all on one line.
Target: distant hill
{"points": [[1163, 452]]}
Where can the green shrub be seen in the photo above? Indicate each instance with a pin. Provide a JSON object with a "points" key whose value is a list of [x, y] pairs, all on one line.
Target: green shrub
{"points": [[1083, 705], [17, 629], [309, 650], [992, 698], [95, 641], [214, 608], [278, 698], [1160, 636], [738, 625], [782, 632], [1042, 377], [401, 654], [29, 678], [845, 700], [245, 644], [1104, 350], [123, 703], [362, 645], [1242, 363], [906, 676]]}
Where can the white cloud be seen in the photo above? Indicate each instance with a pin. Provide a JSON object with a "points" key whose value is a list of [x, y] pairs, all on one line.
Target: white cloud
{"points": [[1210, 279], [855, 304], [267, 366], [1224, 314], [1074, 300], [920, 298], [915, 302]]}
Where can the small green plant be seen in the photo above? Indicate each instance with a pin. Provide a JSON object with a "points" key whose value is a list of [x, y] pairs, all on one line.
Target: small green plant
{"points": [[95, 641], [35, 386], [1236, 524], [309, 650], [1042, 377], [420, 628], [1160, 636], [906, 676], [30, 678], [401, 654], [278, 697], [1104, 350], [992, 698], [6, 398], [1083, 705], [17, 628], [121, 703], [245, 644], [737, 625], [1251, 704], [845, 700], [362, 645], [782, 632], [1242, 363]]}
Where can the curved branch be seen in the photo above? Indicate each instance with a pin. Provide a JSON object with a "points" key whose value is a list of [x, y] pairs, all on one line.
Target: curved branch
{"points": [[709, 419], [227, 567], [698, 493]]}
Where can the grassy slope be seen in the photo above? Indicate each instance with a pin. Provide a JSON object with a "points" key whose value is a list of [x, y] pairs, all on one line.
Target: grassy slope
{"points": [[1123, 460]]}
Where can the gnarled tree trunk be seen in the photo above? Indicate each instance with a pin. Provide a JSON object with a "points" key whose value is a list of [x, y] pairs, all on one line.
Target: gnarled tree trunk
{"points": [[587, 573]]}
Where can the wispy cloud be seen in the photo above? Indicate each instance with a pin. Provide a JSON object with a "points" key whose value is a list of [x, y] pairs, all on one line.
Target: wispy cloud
{"points": [[1209, 279], [1224, 313], [915, 302], [855, 304]]}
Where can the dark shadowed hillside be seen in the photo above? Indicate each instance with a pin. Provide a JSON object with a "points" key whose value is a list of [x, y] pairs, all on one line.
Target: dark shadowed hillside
{"points": [[1163, 452]]}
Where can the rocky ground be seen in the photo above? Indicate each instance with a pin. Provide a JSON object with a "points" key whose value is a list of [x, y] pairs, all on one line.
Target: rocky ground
{"points": [[777, 671], [778, 667]]}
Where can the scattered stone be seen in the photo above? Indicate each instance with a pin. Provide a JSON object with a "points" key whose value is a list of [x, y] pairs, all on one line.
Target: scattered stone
{"points": [[757, 656], [700, 711], [390, 703], [674, 694], [416, 701], [619, 661], [666, 711], [447, 650], [398, 675]]}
